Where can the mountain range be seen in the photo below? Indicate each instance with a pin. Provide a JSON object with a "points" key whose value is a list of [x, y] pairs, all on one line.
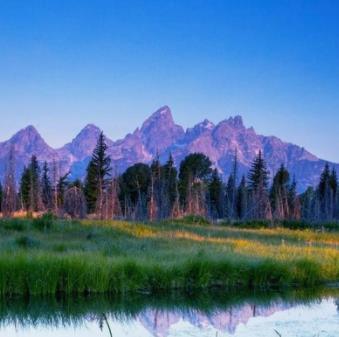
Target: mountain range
{"points": [[160, 135]]}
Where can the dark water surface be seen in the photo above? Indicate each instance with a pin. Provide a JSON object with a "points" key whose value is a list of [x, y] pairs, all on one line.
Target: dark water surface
{"points": [[297, 314]]}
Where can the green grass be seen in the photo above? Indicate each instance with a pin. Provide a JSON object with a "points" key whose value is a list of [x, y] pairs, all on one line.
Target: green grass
{"points": [[49, 257]]}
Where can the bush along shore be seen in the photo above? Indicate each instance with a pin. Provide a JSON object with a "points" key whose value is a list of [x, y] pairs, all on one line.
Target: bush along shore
{"points": [[47, 257]]}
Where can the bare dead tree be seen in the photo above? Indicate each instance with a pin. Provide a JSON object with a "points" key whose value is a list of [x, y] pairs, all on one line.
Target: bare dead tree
{"points": [[9, 189], [55, 177], [152, 203], [111, 205], [75, 203]]}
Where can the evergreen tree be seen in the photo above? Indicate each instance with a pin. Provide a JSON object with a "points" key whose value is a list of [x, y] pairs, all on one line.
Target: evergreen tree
{"points": [[215, 192], [62, 186], [169, 187], [156, 200], [46, 187], [25, 185], [280, 194], [258, 177], [35, 201], [0, 197], [242, 199], [231, 197], [231, 189], [335, 194], [326, 194], [98, 177], [294, 201], [308, 202]]}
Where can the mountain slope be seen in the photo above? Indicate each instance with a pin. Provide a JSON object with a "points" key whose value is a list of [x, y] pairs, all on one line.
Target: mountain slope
{"points": [[160, 135], [25, 143]]}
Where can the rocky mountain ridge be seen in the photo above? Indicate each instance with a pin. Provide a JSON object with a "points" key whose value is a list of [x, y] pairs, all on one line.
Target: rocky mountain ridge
{"points": [[159, 135]]}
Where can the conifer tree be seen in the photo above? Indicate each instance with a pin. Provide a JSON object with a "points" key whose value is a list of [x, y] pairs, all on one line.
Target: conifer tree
{"points": [[335, 194], [294, 201], [169, 187], [156, 200], [35, 201], [242, 199], [25, 184], [98, 177], [231, 189], [62, 186], [308, 204], [230, 197], [46, 187], [325, 194], [260, 207], [215, 193], [0, 197]]}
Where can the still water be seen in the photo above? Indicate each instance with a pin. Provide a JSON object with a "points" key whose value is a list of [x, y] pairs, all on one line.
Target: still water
{"points": [[262, 315]]}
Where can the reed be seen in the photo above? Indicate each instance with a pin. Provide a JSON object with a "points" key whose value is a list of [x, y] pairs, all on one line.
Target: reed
{"points": [[96, 257]]}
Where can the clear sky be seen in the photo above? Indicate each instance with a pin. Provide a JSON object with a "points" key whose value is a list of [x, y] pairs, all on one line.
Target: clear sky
{"points": [[67, 63]]}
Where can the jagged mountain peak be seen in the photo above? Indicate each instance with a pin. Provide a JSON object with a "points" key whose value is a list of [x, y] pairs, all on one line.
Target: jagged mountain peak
{"points": [[159, 131], [234, 122], [83, 144], [28, 132], [90, 130], [91, 127], [28, 141], [161, 116], [160, 134], [204, 125]]}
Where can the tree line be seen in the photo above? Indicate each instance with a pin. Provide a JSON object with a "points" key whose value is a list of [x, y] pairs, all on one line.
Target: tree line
{"points": [[160, 191]]}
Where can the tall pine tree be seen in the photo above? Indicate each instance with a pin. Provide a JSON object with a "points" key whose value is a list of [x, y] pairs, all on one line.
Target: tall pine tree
{"points": [[169, 187], [258, 179], [98, 177], [242, 199], [326, 194], [215, 196], [0, 196], [46, 187]]}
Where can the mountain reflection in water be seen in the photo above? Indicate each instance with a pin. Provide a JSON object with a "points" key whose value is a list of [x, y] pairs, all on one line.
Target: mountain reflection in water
{"points": [[215, 314]]}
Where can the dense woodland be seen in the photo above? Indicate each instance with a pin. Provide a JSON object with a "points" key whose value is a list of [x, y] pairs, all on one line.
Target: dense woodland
{"points": [[160, 191]]}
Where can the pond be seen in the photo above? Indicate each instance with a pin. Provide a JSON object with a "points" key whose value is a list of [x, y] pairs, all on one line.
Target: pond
{"points": [[298, 314]]}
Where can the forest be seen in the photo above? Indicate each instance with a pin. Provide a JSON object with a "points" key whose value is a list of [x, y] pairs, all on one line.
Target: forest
{"points": [[162, 191]]}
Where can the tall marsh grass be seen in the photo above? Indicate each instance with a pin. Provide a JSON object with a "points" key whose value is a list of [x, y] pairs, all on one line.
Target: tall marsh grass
{"points": [[93, 257]]}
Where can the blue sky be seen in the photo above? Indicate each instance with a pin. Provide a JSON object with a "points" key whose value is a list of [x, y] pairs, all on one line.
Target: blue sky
{"points": [[64, 64]]}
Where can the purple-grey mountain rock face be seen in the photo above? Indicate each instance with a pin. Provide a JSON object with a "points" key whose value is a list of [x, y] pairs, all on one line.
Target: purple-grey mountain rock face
{"points": [[25, 143], [160, 135]]}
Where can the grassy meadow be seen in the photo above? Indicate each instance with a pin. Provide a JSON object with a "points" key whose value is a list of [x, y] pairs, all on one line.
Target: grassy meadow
{"points": [[46, 257]]}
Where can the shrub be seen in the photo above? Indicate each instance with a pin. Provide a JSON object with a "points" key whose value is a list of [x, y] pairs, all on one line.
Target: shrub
{"points": [[14, 225], [26, 242], [44, 222], [194, 220]]}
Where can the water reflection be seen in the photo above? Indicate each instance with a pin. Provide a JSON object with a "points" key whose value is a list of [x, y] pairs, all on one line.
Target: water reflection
{"points": [[212, 314]]}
